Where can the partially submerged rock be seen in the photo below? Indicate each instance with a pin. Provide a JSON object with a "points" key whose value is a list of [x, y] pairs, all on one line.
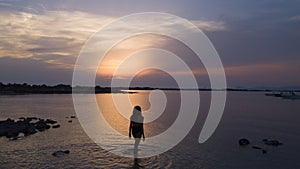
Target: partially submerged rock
{"points": [[41, 125], [60, 153], [11, 128], [272, 142], [256, 147], [49, 121], [56, 126], [244, 142]]}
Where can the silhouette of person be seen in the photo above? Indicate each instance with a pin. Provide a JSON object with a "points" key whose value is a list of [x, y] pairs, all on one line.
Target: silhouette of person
{"points": [[136, 128]]}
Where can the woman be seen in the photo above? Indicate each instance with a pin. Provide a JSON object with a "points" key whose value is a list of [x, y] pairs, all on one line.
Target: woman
{"points": [[136, 128]]}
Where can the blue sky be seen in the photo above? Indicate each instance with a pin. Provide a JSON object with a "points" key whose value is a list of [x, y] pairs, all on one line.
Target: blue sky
{"points": [[258, 41]]}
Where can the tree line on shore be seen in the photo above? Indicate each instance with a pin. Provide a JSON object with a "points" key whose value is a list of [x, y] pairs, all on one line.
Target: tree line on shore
{"points": [[24, 88], [14, 88]]}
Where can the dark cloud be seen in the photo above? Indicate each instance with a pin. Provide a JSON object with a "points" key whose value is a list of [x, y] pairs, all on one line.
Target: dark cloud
{"points": [[54, 44], [63, 61], [32, 71]]}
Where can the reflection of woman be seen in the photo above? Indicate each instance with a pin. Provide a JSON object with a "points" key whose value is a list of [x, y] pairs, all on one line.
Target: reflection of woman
{"points": [[136, 128]]}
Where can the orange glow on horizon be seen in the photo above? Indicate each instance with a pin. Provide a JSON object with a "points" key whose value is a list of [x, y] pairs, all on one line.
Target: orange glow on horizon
{"points": [[126, 48]]}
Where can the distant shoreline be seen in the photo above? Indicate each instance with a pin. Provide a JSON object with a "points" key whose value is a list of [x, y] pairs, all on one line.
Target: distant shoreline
{"points": [[22, 89]]}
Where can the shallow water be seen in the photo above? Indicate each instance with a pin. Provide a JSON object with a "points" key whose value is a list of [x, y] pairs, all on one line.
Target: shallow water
{"points": [[247, 114]]}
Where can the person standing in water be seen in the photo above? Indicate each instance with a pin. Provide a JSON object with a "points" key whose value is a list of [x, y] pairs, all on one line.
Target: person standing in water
{"points": [[136, 129]]}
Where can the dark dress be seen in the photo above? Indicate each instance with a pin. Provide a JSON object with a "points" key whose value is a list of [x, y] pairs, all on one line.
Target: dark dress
{"points": [[137, 129]]}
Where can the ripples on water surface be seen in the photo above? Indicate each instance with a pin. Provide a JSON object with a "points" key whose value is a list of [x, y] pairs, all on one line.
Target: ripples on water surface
{"points": [[247, 114]]}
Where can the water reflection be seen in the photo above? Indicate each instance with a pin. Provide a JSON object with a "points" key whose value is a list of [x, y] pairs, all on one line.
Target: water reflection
{"points": [[117, 137], [119, 120]]}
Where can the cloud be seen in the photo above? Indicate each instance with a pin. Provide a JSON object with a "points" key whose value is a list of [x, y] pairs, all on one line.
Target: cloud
{"points": [[52, 40], [57, 61], [254, 69], [210, 26], [295, 18], [250, 75], [25, 34], [268, 74]]}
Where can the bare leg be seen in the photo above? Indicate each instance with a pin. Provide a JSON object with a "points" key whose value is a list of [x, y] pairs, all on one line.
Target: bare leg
{"points": [[135, 151]]}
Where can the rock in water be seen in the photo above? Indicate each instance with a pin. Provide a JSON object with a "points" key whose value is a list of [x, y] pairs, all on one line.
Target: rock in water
{"points": [[256, 147], [272, 142], [49, 121], [41, 125], [56, 126], [11, 128], [244, 142], [60, 153]]}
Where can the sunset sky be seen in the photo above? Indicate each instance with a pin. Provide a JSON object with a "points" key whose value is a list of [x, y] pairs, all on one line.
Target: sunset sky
{"points": [[257, 41]]}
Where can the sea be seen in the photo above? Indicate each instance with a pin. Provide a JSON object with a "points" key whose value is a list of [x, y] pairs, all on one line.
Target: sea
{"points": [[92, 144]]}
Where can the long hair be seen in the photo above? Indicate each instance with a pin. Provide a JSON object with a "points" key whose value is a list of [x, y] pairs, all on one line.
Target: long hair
{"points": [[137, 115]]}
